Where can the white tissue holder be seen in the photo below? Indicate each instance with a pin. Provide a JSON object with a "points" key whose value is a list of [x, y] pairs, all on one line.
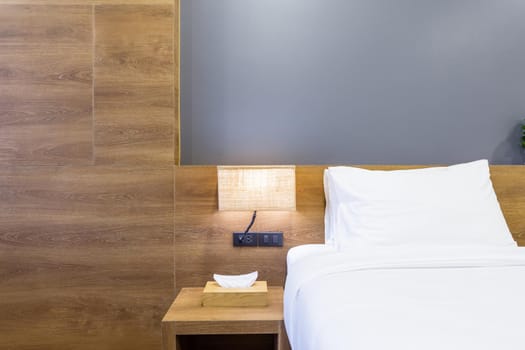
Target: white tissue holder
{"points": [[215, 295]]}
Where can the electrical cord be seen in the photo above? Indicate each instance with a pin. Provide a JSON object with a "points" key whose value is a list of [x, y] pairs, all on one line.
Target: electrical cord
{"points": [[241, 237]]}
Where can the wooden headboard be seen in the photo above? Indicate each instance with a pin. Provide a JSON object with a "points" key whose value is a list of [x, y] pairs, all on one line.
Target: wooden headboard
{"points": [[203, 235]]}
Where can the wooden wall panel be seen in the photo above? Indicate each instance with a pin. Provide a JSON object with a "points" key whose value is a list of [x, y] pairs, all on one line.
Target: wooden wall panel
{"points": [[46, 85], [134, 101], [88, 2], [86, 249], [510, 188], [85, 257], [203, 242], [45, 25]]}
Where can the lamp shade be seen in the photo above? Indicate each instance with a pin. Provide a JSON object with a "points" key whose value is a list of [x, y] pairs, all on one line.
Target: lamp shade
{"points": [[256, 187]]}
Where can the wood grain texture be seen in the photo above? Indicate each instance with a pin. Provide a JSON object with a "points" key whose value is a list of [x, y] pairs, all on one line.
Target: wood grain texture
{"points": [[87, 2], [45, 25], [134, 85], [86, 251], [45, 85], [203, 243], [187, 309], [509, 184], [203, 234], [188, 317], [85, 257], [215, 295]]}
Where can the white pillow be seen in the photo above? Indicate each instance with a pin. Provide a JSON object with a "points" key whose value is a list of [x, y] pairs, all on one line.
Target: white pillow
{"points": [[453, 205]]}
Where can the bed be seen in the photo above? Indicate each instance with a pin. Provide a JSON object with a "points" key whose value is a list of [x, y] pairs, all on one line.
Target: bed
{"points": [[413, 259]]}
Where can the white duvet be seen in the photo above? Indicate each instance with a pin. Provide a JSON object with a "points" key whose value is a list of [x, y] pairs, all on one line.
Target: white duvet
{"points": [[403, 299]]}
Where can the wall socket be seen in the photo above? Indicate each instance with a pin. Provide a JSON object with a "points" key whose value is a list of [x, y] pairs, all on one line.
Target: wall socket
{"points": [[244, 240], [261, 239]]}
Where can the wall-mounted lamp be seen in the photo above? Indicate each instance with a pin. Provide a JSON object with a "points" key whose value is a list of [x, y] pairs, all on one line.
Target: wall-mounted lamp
{"points": [[256, 188]]}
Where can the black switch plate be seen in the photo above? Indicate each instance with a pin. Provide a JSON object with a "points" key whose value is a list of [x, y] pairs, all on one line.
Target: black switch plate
{"points": [[270, 239], [244, 240]]}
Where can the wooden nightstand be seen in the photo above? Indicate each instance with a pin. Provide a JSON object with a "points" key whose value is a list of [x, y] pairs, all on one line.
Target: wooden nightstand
{"points": [[189, 325]]}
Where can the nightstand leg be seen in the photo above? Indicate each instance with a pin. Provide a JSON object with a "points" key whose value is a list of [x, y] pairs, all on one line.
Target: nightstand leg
{"points": [[282, 341], [168, 336]]}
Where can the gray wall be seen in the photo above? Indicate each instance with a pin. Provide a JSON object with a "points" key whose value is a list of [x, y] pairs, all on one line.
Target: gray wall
{"points": [[351, 81]]}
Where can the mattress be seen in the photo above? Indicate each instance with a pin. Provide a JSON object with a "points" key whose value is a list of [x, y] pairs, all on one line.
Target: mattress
{"points": [[405, 298]]}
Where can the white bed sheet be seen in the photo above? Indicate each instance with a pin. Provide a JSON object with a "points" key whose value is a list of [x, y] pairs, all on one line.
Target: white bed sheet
{"points": [[410, 298], [296, 254]]}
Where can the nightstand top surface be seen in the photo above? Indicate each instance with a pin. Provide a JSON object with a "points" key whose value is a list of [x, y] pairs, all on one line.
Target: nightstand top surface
{"points": [[187, 308]]}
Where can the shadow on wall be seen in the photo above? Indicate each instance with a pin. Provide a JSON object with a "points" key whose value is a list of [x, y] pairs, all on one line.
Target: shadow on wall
{"points": [[509, 151]]}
